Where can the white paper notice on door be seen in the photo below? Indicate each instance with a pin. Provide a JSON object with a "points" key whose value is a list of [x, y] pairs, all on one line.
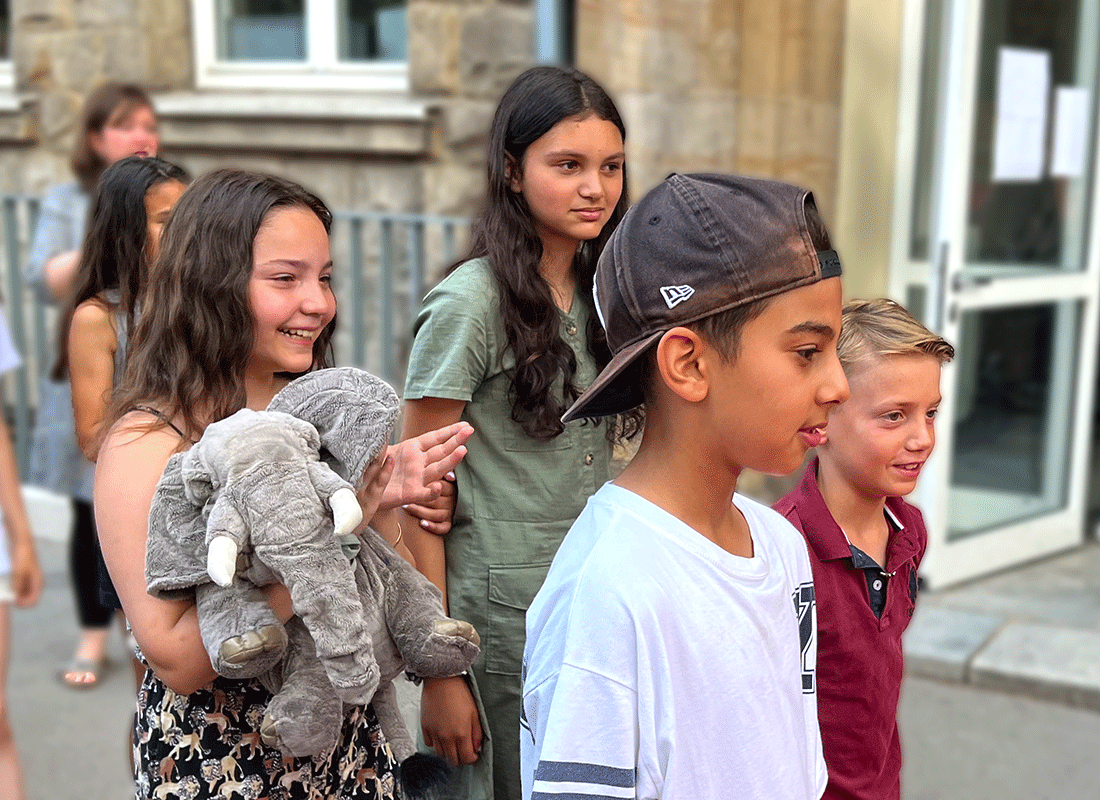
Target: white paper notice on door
{"points": [[1071, 127], [1023, 90]]}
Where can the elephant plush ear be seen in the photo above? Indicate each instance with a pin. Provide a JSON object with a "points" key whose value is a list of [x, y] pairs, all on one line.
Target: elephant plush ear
{"points": [[353, 411], [198, 481]]}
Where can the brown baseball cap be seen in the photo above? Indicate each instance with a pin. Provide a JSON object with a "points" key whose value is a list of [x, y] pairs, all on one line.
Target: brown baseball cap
{"points": [[694, 246]]}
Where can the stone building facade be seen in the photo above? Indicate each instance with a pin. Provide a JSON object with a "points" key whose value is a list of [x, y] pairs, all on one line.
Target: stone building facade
{"points": [[747, 86], [734, 85]]}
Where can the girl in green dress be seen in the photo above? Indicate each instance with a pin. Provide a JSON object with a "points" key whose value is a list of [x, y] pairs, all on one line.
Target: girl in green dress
{"points": [[506, 342]]}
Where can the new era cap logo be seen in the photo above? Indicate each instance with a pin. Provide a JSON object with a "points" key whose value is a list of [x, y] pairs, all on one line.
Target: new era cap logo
{"points": [[674, 295]]}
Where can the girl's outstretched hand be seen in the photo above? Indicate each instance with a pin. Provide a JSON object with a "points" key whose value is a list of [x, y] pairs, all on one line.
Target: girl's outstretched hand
{"points": [[420, 464]]}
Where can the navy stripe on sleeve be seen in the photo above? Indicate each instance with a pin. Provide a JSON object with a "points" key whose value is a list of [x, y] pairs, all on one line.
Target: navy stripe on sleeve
{"points": [[572, 772]]}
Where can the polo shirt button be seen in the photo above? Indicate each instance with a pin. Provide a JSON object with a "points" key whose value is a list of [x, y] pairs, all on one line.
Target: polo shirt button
{"points": [[878, 585], [588, 459]]}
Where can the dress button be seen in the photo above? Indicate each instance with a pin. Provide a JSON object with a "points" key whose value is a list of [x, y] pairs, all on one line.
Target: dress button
{"points": [[588, 459], [571, 329]]}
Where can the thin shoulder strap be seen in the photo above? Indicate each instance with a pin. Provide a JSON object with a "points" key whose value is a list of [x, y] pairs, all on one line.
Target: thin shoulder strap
{"points": [[159, 414]]}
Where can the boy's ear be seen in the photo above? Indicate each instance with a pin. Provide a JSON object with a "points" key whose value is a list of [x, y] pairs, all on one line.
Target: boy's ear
{"points": [[512, 173], [679, 362]]}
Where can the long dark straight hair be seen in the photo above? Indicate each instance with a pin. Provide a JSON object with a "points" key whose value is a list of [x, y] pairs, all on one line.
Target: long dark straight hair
{"points": [[505, 233], [113, 253], [194, 339]]}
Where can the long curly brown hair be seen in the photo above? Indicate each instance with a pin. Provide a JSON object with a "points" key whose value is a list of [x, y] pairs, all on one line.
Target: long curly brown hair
{"points": [[505, 233], [192, 344]]}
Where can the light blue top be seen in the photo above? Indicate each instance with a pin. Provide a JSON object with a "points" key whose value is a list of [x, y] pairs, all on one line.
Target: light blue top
{"points": [[56, 460]]}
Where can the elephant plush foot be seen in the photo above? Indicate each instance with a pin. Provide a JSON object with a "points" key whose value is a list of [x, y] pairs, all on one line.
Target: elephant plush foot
{"points": [[304, 716], [257, 651], [447, 648], [241, 633], [300, 725], [457, 628]]}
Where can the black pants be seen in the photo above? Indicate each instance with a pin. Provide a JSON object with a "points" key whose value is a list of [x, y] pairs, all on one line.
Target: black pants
{"points": [[86, 564]]}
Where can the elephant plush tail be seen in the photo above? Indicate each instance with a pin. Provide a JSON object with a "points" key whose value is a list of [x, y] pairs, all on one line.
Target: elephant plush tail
{"points": [[420, 773]]}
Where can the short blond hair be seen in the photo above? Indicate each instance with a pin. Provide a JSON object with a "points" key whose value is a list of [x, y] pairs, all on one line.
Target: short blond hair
{"points": [[873, 329]]}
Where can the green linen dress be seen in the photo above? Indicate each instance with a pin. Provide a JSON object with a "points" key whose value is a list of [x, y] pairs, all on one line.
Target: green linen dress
{"points": [[517, 496]]}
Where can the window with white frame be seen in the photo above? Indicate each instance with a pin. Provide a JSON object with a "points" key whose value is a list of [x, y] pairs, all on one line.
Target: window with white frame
{"points": [[7, 72], [309, 44]]}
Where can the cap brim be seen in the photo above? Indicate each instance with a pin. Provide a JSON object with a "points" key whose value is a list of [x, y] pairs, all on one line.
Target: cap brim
{"points": [[616, 389]]}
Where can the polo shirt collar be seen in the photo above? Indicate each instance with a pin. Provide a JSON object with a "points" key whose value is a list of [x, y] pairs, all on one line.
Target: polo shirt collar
{"points": [[828, 540], [824, 535]]}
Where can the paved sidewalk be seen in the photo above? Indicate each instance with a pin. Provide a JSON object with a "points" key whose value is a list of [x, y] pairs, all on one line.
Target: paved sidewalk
{"points": [[1033, 630], [74, 743]]}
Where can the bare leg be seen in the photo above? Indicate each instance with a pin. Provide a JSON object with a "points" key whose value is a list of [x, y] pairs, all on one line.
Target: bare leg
{"points": [[11, 773]]}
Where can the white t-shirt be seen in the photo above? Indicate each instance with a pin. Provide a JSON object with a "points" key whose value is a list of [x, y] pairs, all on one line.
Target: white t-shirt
{"points": [[9, 360], [660, 665]]}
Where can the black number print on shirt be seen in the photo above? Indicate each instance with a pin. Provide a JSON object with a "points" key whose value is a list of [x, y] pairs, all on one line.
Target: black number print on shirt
{"points": [[807, 621]]}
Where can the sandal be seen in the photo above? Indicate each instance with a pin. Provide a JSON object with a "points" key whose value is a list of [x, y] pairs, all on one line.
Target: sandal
{"points": [[82, 673]]}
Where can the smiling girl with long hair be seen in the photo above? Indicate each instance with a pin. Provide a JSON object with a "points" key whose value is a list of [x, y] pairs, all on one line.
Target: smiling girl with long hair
{"points": [[242, 302]]}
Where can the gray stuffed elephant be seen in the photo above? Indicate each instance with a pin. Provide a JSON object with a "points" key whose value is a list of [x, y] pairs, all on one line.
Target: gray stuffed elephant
{"points": [[267, 496], [365, 616]]}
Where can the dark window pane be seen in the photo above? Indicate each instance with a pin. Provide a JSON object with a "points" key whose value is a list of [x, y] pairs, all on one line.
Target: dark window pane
{"points": [[261, 30], [372, 30], [5, 30]]}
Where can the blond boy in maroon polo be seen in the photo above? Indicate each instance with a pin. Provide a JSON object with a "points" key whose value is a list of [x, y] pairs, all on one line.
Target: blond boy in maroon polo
{"points": [[865, 542]]}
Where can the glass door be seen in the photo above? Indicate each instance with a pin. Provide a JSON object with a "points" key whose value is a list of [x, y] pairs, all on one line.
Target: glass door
{"points": [[998, 251]]}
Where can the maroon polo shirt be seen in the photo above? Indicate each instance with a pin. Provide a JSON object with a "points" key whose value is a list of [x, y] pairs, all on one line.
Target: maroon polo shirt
{"points": [[859, 656]]}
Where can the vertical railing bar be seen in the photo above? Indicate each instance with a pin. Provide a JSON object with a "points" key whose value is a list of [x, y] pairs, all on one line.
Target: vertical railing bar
{"points": [[355, 290], [385, 338], [416, 268], [448, 243], [416, 278], [17, 324], [39, 310]]}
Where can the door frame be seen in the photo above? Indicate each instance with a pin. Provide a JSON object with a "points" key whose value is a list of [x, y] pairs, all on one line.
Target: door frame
{"points": [[951, 561]]}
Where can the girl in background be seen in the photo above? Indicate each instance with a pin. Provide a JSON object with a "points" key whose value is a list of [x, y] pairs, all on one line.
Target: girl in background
{"points": [[118, 121], [131, 205], [242, 303], [506, 341]]}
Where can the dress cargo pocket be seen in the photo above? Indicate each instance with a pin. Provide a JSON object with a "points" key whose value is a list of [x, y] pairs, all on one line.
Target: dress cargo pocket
{"points": [[511, 590]]}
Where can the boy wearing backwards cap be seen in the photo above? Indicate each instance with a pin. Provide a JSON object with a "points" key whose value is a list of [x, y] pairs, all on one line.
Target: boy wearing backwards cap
{"points": [[671, 650], [866, 542]]}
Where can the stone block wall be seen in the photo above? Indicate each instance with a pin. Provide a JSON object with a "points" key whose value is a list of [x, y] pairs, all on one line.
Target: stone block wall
{"points": [[750, 86], [61, 49], [463, 55], [734, 85]]}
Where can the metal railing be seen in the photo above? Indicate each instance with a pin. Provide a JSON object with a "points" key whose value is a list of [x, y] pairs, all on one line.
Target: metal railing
{"points": [[384, 261], [391, 260]]}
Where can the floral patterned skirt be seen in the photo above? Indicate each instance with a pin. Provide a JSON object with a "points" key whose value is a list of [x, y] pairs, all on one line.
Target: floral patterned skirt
{"points": [[207, 745]]}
